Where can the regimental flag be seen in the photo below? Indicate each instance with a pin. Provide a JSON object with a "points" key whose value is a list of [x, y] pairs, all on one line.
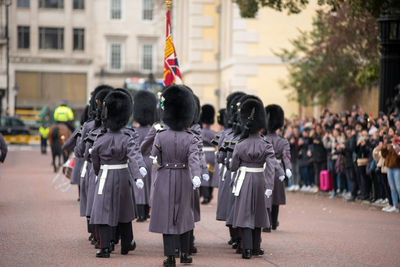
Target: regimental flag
{"points": [[171, 66]]}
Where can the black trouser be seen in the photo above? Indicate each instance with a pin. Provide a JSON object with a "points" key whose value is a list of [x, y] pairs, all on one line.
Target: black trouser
{"points": [[90, 227], [191, 239], [388, 193], [206, 192], [141, 209], [43, 145], [365, 182], [274, 215], [318, 167], [108, 233], [251, 238], [375, 191], [171, 242], [353, 180], [233, 232]]}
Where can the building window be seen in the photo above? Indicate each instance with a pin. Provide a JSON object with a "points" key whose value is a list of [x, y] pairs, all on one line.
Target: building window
{"points": [[116, 9], [51, 3], [79, 39], [115, 56], [79, 4], [147, 10], [147, 57], [23, 37], [23, 3], [51, 38]]}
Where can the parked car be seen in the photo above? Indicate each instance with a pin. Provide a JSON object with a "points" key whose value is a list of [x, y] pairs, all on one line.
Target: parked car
{"points": [[10, 125]]}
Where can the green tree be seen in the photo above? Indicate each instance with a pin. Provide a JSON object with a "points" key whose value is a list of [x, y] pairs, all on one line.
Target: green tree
{"points": [[249, 8], [339, 55]]}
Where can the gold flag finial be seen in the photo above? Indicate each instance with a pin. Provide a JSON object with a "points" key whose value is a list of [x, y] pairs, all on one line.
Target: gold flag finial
{"points": [[168, 3]]}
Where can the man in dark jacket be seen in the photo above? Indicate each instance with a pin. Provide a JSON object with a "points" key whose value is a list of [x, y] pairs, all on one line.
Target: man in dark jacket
{"points": [[349, 148]]}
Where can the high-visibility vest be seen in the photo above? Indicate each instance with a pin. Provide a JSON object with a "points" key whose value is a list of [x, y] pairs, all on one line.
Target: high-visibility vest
{"points": [[44, 132], [63, 114]]}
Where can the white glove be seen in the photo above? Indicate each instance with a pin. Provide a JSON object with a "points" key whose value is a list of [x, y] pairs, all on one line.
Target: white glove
{"points": [[282, 178], [196, 182], [288, 173], [268, 193], [143, 171], [206, 177], [139, 183]]}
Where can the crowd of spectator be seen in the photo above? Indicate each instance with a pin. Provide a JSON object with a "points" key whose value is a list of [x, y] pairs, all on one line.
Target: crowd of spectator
{"points": [[361, 153]]}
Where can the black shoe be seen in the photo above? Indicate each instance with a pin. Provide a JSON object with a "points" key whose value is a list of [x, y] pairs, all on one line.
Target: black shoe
{"points": [[185, 258], [351, 199], [177, 253], [79, 199], [267, 230], [131, 247], [112, 246], [193, 250], [246, 254], [103, 253], [170, 261], [140, 219], [235, 245], [97, 245], [257, 252], [230, 242], [239, 250], [275, 226], [91, 237], [205, 201]]}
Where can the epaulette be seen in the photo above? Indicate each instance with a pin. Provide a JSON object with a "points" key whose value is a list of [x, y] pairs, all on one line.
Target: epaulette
{"points": [[91, 137]]}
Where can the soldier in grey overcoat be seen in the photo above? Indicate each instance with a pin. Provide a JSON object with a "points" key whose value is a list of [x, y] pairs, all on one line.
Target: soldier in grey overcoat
{"points": [[207, 119], [225, 185], [275, 120], [79, 151], [221, 121], [115, 165], [3, 149], [251, 155], [175, 152], [144, 114]]}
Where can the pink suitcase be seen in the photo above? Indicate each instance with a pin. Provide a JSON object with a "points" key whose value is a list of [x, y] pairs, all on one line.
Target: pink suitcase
{"points": [[325, 180]]}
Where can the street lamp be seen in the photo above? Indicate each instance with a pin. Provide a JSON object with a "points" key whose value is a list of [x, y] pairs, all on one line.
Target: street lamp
{"points": [[7, 3], [389, 76]]}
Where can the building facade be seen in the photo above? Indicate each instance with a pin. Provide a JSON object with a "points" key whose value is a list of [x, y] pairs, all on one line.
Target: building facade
{"points": [[221, 52], [63, 49]]}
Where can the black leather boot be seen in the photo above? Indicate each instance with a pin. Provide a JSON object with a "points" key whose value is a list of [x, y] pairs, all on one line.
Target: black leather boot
{"points": [[257, 252], [131, 247], [170, 261], [103, 253], [193, 250], [230, 242], [91, 237], [267, 230], [246, 254], [185, 258]]}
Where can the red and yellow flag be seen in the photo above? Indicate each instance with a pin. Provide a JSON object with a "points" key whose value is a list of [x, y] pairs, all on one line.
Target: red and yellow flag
{"points": [[171, 66]]}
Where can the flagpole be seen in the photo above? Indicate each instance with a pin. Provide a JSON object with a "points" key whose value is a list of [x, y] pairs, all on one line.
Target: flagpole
{"points": [[168, 3]]}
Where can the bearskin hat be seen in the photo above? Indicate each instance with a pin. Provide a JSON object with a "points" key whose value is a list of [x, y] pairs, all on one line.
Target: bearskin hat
{"points": [[196, 116], [221, 117], [92, 101], [99, 98], [85, 115], [252, 114], [117, 110], [144, 108], [207, 114], [178, 106], [275, 117], [229, 100]]}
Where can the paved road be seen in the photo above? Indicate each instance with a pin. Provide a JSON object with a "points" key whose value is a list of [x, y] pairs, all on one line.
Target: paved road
{"points": [[40, 226]]}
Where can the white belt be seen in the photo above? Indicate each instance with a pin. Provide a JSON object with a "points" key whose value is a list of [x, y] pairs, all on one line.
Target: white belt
{"points": [[84, 167], [243, 170], [208, 149], [279, 161], [105, 169]]}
